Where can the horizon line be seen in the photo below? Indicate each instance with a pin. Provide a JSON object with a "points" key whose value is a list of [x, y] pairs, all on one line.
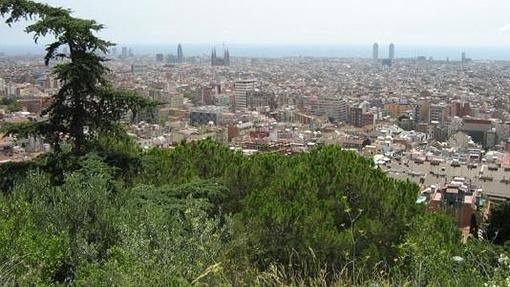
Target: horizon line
{"points": [[213, 44]]}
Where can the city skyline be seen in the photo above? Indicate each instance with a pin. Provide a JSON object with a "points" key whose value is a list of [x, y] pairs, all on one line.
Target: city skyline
{"points": [[276, 51], [293, 22]]}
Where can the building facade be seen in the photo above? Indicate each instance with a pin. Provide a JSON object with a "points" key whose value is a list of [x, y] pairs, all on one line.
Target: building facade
{"points": [[241, 90], [332, 107]]}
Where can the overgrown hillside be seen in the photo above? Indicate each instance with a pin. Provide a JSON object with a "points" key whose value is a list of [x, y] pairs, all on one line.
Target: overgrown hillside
{"points": [[201, 214]]}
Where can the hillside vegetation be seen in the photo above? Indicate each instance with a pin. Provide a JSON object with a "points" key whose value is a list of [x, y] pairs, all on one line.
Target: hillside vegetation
{"points": [[201, 214]]}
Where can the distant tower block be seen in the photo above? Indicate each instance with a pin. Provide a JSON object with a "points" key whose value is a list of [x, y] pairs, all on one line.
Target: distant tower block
{"points": [[376, 51], [392, 52], [226, 57], [213, 58], [180, 54]]}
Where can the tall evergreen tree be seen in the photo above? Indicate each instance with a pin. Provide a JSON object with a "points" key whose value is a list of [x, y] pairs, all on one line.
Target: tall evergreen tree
{"points": [[87, 104]]}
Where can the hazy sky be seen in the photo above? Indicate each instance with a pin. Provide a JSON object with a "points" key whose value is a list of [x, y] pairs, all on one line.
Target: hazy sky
{"points": [[431, 22]]}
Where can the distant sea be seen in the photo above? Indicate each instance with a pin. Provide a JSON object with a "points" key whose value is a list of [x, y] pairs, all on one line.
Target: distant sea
{"points": [[275, 51]]}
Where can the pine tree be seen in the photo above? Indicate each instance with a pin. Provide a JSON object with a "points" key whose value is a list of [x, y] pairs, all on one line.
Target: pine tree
{"points": [[87, 105]]}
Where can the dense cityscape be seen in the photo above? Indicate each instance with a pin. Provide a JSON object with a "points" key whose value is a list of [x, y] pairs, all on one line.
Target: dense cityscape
{"points": [[443, 124], [126, 168]]}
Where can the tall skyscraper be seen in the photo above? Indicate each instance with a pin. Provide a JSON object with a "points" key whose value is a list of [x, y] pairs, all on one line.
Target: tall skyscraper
{"points": [[226, 58], [392, 52], [124, 52], [376, 51], [241, 89], [213, 57], [180, 55]]}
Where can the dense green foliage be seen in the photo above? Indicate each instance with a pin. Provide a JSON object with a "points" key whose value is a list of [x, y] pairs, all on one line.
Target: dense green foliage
{"points": [[203, 214], [9, 103], [360, 211], [498, 229]]}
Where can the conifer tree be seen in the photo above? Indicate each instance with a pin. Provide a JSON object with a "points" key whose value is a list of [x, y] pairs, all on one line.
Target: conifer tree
{"points": [[87, 105]]}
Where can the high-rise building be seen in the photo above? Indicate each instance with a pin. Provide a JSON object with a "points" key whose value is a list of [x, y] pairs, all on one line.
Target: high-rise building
{"points": [[360, 117], [226, 58], [124, 52], [3, 88], [213, 57], [333, 107], [160, 57], [356, 116], [375, 51], [392, 52], [367, 119], [438, 113], [180, 54], [422, 112], [241, 89]]}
